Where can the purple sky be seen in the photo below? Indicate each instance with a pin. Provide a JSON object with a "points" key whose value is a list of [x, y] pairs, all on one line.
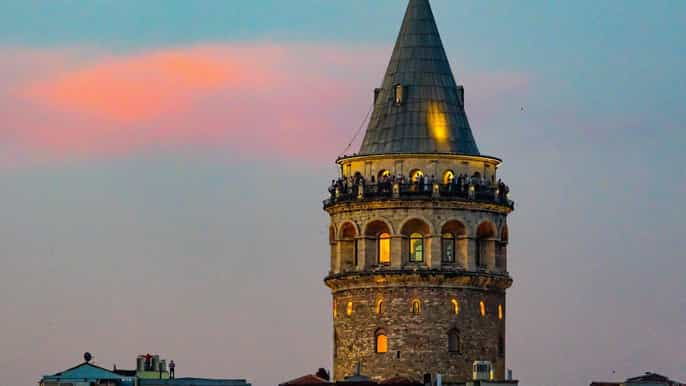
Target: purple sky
{"points": [[163, 168]]}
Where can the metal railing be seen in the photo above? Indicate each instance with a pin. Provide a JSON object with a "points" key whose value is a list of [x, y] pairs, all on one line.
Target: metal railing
{"points": [[395, 191]]}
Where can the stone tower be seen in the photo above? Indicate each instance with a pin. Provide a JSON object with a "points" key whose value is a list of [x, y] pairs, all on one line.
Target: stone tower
{"points": [[418, 228]]}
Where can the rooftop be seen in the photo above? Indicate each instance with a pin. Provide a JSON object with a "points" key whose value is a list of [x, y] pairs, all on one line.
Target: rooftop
{"points": [[419, 108]]}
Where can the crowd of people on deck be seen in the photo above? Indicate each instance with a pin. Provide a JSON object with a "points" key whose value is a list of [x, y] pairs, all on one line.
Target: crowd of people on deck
{"points": [[462, 184]]}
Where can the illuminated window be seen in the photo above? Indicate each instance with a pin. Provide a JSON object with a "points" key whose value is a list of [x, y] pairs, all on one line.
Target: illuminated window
{"points": [[379, 306], [384, 173], [456, 306], [448, 177], [448, 247], [416, 247], [335, 311], [453, 341], [415, 175], [500, 311], [381, 341], [349, 308], [399, 94], [482, 306], [384, 248], [416, 307]]}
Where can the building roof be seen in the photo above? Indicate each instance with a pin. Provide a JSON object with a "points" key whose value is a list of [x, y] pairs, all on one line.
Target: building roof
{"points": [[400, 381], [308, 379], [431, 118], [84, 371], [193, 382], [647, 378]]}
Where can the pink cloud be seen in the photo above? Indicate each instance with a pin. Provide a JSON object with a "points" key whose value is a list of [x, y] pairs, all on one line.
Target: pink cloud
{"points": [[262, 100]]}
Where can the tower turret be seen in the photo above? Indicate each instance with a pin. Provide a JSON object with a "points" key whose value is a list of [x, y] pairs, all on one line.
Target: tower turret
{"points": [[418, 228]]}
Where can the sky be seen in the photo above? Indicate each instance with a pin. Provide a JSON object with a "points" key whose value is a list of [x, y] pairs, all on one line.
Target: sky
{"points": [[163, 165]]}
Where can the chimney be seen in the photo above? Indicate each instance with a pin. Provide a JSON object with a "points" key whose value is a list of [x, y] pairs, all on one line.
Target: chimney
{"points": [[323, 374]]}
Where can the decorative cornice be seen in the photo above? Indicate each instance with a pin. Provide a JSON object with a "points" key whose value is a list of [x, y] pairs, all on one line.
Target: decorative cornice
{"points": [[399, 156], [413, 203], [429, 278]]}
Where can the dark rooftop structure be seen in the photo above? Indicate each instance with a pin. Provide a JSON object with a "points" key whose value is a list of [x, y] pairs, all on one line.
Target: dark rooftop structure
{"points": [[647, 379], [419, 107]]}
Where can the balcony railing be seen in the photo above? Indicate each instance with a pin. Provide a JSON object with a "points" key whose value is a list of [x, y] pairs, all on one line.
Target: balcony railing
{"points": [[388, 191]]}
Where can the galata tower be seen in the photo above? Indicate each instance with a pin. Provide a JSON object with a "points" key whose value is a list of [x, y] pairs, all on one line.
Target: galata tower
{"points": [[418, 229]]}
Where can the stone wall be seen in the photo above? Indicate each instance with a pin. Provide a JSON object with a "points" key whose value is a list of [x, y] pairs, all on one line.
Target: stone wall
{"points": [[417, 343], [358, 216]]}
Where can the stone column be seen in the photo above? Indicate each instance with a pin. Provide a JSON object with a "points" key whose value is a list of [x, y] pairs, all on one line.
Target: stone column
{"points": [[471, 254], [434, 249], [396, 251], [361, 253], [462, 251], [489, 254], [337, 258]]}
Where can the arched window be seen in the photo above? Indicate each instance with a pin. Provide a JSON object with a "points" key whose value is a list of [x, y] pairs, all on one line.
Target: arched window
{"points": [[484, 244], [349, 308], [416, 247], [448, 177], [501, 253], [382, 174], [384, 248], [453, 242], [454, 341], [455, 306], [379, 307], [348, 251], [500, 312], [378, 241], [482, 307], [335, 311], [416, 307], [415, 175], [448, 248], [381, 341]]}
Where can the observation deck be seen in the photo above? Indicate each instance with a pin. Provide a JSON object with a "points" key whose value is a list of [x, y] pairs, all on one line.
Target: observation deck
{"points": [[487, 194]]}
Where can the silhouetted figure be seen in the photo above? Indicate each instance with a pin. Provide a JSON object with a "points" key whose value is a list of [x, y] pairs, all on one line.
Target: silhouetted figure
{"points": [[172, 366]]}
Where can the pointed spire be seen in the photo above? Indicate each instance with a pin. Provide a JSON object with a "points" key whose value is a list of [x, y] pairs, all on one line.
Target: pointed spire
{"points": [[419, 108]]}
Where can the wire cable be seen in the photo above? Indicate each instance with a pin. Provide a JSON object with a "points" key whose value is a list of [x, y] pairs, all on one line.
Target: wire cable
{"points": [[359, 129]]}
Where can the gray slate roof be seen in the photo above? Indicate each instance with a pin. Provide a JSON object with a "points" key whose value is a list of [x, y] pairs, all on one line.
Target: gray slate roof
{"points": [[432, 118]]}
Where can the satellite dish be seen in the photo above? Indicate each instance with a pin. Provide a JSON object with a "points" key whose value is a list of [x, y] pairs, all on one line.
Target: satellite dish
{"points": [[87, 357]]}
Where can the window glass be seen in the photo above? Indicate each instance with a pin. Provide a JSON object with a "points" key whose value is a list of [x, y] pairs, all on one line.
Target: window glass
{"points": [[399, 91], [455, 306], [381, 343], [482, 306], [379, 306], [448, 177], [448, 241], [349, 308], [384, 248], [416, 247], [416, 307], [500, 311], [453, 341]]}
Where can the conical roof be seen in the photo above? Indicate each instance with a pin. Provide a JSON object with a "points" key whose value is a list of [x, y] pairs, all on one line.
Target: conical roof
{"points": [[429, 116]]}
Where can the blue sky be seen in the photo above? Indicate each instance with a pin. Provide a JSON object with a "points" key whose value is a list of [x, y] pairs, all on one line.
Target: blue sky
{"points": [[184, 215]]}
